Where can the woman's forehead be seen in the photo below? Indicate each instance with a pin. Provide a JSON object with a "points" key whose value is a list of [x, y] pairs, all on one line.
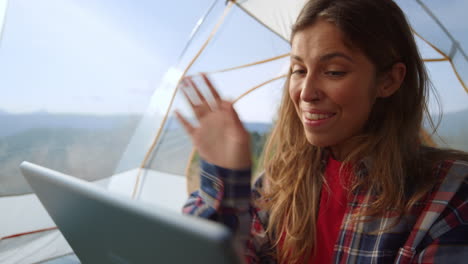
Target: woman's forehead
{"points": [[319, 39]]}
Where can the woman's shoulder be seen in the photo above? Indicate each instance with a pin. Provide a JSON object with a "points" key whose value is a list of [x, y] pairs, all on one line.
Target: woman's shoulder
{"points": [[446, 161], [450, 167], [453, 174], [441, 223]]}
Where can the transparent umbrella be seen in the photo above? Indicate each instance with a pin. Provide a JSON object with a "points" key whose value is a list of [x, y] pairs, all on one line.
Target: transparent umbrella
{"points": [[93, 85]]}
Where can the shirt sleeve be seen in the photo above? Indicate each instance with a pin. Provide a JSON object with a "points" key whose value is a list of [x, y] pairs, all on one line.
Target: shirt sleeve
{"points": [[447, 239], [226, 196]]}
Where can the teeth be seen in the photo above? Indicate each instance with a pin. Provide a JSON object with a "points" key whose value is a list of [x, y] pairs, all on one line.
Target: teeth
{"points": [[317, 116]]}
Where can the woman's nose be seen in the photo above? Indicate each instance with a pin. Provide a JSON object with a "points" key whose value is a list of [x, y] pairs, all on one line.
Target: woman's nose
{"points": [[310, 90]]}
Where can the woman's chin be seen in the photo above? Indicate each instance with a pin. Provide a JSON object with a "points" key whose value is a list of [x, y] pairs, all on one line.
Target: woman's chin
{"points": [[318, 142]]}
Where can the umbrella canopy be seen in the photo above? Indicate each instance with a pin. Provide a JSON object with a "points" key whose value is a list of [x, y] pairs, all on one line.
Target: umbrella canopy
{"points": [[93, 86]]}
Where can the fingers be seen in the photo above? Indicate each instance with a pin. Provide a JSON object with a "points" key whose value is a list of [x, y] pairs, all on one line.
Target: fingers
{"points": [[192, 84], [186, 124], [190, 98], [197, 101], [213, 91]]}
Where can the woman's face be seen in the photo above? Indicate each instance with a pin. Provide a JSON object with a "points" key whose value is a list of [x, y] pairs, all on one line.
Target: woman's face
{"points": [[333, 86]]}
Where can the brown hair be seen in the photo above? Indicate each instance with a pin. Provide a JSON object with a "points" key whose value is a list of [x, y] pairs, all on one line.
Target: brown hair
{"points": [[399, 172]]}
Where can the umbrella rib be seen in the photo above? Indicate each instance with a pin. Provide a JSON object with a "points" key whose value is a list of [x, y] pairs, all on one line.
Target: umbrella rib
{"points": [[458, 76], [258, 86], [430, 44], [3, 17], [260, 22], [447, 58], [449, 35], [435, 60], [29, 233], [205, 44], [197, 27], [189, 162], [192, 154], [250, 64], [429, 12]]}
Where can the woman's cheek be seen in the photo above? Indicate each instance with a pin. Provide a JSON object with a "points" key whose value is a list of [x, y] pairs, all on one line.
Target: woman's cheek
{"points": [[294, 92]]}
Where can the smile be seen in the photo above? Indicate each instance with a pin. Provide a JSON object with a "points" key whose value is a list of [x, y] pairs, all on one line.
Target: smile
{"points": [[315, 117]]}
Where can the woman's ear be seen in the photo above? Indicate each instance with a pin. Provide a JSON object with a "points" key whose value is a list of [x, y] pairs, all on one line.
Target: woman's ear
{"points": [[392, 80]]}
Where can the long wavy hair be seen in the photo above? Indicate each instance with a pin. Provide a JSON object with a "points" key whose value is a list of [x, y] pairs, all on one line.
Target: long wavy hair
{"points": [[400, 171]]}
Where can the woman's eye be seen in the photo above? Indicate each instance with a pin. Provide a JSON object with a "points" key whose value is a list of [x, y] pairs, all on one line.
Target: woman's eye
{"points": [[335, 73], [298, 71]]}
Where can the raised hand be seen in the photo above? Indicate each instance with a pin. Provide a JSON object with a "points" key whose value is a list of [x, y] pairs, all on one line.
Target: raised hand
{"points": [[220, 138]]}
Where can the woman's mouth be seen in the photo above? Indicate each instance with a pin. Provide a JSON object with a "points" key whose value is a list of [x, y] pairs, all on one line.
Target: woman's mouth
{"points": [[315, 117]]}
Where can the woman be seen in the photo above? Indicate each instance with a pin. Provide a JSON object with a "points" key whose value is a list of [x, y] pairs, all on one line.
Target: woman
{"points": [[347, 177]]}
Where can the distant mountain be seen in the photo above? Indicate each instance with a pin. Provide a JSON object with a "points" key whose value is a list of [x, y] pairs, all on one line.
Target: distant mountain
{"points": [[88, 147], [260, 128], [16, 123], [454, 120], [453, 130], [91, 146]]}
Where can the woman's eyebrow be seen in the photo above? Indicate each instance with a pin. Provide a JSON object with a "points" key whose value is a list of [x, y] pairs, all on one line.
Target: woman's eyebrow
{"points": [[332, 55], [295, 57], [325, 57]]}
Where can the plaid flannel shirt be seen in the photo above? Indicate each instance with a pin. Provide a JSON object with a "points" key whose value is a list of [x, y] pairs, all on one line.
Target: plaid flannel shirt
{"points": [[435, 231]]}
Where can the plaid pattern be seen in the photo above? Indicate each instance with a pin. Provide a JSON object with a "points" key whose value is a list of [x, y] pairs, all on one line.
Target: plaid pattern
{"points": [[435, 231]]}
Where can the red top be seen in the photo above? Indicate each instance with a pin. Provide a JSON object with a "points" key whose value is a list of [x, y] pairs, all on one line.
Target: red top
{"points": [[333, 201]]}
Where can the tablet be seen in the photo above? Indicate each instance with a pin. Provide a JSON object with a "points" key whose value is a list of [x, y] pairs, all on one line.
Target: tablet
{"points": [[104, 227]]}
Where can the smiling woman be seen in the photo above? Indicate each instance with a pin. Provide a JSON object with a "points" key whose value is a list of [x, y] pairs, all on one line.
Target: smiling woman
{"points": [[348, 176], [334, 87]]}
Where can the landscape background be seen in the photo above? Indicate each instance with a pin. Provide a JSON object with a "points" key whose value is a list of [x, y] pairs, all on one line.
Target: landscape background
{"points": [[90, 146]]}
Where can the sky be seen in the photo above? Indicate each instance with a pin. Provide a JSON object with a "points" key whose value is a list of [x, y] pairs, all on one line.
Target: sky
{"points": [[89, 56], [108, 57], [451, 14]]}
